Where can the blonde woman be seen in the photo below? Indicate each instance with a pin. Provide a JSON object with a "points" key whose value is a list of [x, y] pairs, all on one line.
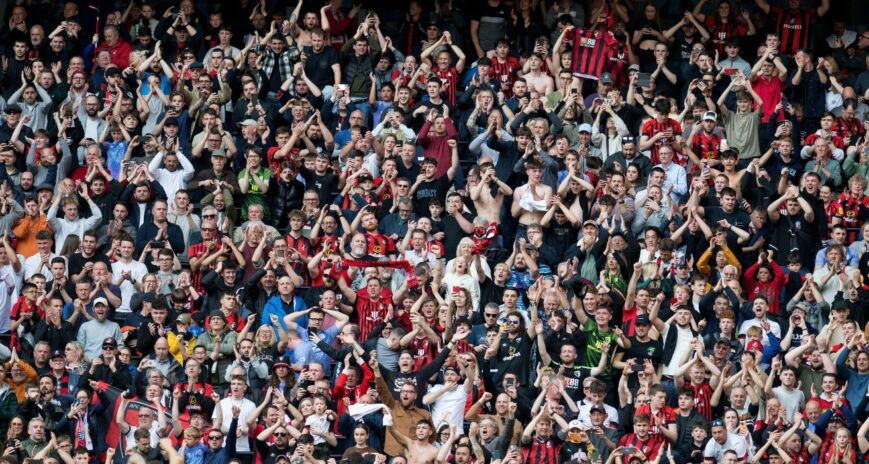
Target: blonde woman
{"points": [[76, 361]]}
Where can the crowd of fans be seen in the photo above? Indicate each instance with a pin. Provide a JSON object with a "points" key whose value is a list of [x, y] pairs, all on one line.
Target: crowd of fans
{"points": [[585, 232]]}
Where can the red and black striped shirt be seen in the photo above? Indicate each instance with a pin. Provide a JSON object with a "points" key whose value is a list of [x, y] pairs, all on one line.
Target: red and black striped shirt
{"points": [[449, 78], [541, 451], [794, 28], [303, 245], [849, 128], [371, 312], [592, 50], [652, 127], [505, 73], [720, 32], [702, 399]]}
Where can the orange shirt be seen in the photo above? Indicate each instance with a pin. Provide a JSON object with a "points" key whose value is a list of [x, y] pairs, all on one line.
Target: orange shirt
{"points": [[25, 231]]}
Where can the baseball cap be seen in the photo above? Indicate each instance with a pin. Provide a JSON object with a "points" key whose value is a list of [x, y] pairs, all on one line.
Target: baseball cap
{"points": [[171, 121], [197, 65], [183, 319], [101, 300], [57, 354], [634, 67], [575, 424], [585, 127], [710, 116], [365, 178], [754, 345], [45, 187], [643, 320], [247, 122], [110, 341], [724, 340], [13, 108], [597, 408], [282, 361], [590, 223], [217, 313], [220, 153], [606, 78]]}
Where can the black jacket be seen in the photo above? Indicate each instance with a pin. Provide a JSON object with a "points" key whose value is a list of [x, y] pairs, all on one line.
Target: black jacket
{"points": [[287, 197]]}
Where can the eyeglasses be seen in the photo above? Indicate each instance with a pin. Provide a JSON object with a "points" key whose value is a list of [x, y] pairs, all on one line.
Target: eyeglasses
{"points": [[209, 215], [315, 319]]}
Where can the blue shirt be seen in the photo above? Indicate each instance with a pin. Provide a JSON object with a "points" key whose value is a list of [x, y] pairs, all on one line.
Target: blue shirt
{"points": [[276, 306]]}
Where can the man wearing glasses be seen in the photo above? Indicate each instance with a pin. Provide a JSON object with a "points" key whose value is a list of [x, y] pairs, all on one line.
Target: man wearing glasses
{"points": [[106, 367]]}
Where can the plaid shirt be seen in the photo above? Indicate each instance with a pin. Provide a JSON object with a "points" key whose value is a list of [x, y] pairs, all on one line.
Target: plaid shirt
{"points": [[285, 61]]}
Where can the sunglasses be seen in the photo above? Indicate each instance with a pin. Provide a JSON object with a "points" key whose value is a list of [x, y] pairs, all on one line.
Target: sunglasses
{"points": [[280, 434], [108, 347], [491, 315], [513, 322], [217, 437]]}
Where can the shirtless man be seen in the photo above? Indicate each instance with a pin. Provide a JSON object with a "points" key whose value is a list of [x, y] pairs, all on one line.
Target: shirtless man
{"points": [[310, 22], [420, 450], [488, 194], [728, 161], [536, 78], [531, 200]]}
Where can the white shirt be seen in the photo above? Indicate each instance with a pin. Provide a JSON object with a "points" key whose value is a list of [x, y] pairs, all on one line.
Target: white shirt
{"points": [[7, 289], [171, 181], [451, 404], [155, 437], [734, 442], [247, 408], [683, 345], [773, 327], [137, 272], [612, 415], [32, 263]]}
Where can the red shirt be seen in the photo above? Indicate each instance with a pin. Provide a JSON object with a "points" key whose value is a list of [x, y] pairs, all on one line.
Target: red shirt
{"points": [[198, 250], [505, 73], [667, 415], [769, 89]]}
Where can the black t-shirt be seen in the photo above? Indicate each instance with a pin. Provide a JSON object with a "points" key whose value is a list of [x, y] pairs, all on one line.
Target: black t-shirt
{"points": [[78, 261], [560, 236], [792, 233], [318, 66], [573, 377], [514, 356], [324, 184], [452, 235], [652, 349], [427, 191]]}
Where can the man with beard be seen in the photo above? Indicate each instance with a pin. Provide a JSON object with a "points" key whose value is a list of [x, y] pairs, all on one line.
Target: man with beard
{"points": [[406, 375], [820, 363], [405, 413], [371, 303], [41, 402]]}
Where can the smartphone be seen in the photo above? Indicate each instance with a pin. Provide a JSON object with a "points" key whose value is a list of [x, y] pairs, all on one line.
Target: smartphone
{"points": [[784, 102], [254, 99], [644, 79], [730, 71], [312, 330], [305, 368], [628, 450], [399, 143], [509, 382], [573, 91], [637, 368], [696, 119], [540, 42]]}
